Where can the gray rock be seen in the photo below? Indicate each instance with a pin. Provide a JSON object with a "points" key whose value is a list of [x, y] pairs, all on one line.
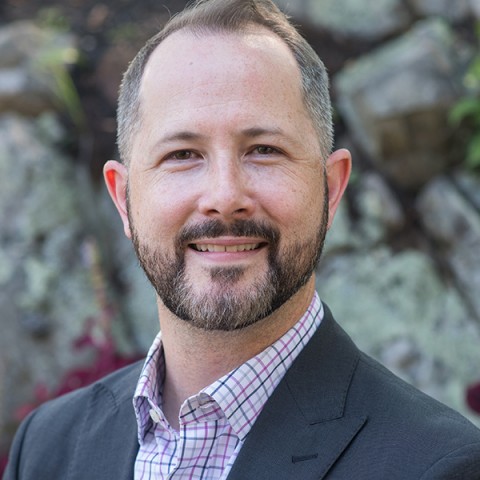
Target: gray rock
{"points": [[351, 18], [380, 211], [475, 8], [32, 63], [47, 292], [378, 214], [456, 10], [468, 184], [340, 237], [399, 311], [137, 302], [454, 225], [396, 99]]}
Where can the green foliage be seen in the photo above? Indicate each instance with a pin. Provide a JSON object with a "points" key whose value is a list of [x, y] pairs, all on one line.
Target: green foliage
{"points": [[466, 113], [55, 60], [52, 18]]}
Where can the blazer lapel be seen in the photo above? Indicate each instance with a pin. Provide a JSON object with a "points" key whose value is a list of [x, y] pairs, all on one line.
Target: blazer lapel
{"points": [[108, 445], [305, 427]]}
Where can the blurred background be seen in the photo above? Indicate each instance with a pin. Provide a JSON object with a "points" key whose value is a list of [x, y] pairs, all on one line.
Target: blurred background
{"points": [[401, 268]]}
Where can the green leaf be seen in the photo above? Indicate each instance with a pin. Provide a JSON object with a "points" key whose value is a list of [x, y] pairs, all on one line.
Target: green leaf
{"points": [[467, 107], [473, 152]]}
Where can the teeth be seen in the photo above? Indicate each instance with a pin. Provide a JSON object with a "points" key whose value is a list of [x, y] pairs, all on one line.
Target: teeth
{"points": [[226, 248]]}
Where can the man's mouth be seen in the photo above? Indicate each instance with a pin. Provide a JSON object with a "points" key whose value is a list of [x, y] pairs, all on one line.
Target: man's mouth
{"points": [[212, 247]]}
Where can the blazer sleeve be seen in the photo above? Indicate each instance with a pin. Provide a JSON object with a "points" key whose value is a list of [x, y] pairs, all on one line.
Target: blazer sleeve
{"points": [[461, 464]]}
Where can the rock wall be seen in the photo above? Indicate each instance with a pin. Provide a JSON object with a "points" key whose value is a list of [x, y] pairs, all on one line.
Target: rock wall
{"points": [[401, 264], [401, 268], [60, 241]]}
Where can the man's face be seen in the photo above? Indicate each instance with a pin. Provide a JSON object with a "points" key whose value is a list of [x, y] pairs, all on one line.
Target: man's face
{"points": [[227, 194]]}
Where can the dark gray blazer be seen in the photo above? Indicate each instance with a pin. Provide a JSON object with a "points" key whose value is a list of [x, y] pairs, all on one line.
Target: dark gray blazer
{"points": [[337, 414]]}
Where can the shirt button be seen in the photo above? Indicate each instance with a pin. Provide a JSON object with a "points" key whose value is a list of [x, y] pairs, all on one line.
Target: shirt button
{"points": [[154, 415]]}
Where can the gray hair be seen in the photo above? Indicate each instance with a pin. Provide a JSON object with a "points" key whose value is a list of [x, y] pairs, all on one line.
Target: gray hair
{"points": [[224, 16]]}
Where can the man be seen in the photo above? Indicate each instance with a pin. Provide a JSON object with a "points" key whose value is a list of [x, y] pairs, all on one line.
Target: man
{"points": [[227, 188]]}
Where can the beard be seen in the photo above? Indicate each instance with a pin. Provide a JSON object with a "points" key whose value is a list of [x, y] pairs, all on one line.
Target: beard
{"points": [[226, 306]]}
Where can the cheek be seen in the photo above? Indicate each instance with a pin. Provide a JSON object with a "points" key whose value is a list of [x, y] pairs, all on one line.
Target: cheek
{"points": [[159, 212], [294, 203]]}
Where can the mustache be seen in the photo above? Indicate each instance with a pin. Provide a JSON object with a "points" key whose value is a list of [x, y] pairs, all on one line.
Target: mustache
{"points": [[239, 228]]}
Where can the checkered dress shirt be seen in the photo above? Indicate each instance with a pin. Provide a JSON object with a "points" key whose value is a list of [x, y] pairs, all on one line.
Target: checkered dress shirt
{"points": [[215, 422]]}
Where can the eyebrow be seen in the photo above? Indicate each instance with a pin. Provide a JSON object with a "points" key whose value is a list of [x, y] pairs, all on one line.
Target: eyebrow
{"points": [[182, 135], [248, 132], [187, 135], [254, 132]]}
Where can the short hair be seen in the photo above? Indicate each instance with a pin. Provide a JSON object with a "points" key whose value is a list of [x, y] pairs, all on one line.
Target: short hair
{"points": [[230, 16]]}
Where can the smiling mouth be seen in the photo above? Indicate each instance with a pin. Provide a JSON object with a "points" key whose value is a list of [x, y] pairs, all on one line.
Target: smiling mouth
{"points": [[211, 247]]}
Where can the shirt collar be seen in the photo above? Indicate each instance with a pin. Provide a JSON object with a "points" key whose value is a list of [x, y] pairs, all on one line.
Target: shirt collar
{"points": [[149, 385], [242, 393]]}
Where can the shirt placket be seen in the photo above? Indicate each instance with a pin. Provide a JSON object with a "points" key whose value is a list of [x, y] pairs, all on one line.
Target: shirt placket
{"points": [[200, 423]]}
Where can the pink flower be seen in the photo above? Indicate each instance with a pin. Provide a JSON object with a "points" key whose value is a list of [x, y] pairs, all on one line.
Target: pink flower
{"points": [[473, 397]]}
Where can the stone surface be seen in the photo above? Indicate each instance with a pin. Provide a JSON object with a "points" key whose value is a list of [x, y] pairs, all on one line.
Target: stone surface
{"points": [[451, 10], [46, 291], [454, 225], [135, 297], [398, 310], [377, 215], [468, 183], [351, 18], [380, 213], [475, 8], [396, 99], [32, 62]]}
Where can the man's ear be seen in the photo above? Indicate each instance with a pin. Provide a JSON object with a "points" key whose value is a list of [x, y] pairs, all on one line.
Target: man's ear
{"points": [[339, 166], [116, 179]]}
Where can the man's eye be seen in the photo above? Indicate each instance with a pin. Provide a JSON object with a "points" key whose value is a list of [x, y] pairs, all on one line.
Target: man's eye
{"points": [[265, 150], [182, 155]]}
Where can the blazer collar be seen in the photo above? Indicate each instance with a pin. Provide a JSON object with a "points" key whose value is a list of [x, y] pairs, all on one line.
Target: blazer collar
{"points": [[305, 426], [301, 432]]}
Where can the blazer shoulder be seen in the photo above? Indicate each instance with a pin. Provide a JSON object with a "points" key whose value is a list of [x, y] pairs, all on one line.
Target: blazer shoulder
{"points": [[462, 463], [403, 395], [118, 386], [420, 427], [56, 425]]}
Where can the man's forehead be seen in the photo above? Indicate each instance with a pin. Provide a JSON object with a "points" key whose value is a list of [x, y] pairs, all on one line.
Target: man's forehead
{"points": [[188, 46], [214, 79]]}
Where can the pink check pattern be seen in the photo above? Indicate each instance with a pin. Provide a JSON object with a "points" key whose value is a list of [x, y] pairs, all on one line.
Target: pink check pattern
{"points": [[214, 423]]}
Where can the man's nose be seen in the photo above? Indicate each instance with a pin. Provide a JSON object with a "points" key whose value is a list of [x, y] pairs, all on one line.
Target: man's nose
{"points": [[227, 192]]}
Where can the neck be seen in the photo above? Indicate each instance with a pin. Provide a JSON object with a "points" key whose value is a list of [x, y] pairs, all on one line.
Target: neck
{"points": [[195, 358]]}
